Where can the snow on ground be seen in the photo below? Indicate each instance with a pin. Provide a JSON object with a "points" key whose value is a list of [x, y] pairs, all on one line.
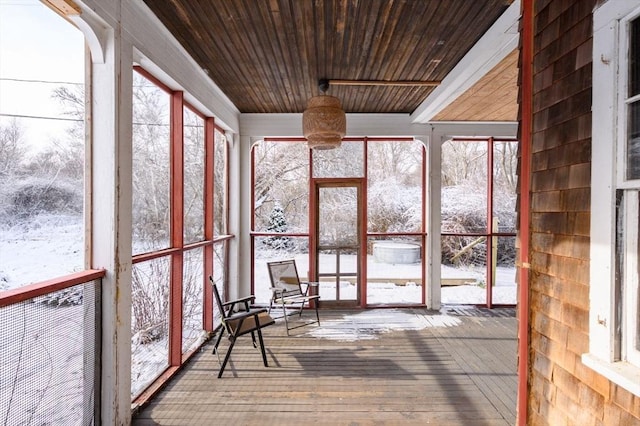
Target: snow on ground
{"points": [[504, 291], [366, 325], [52, 246]]}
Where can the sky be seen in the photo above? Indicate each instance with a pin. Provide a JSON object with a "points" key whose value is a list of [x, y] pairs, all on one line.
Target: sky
{"points": [[36, 47]]}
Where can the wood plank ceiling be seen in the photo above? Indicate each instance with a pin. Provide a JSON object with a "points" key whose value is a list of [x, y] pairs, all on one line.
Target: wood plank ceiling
{"points": [[267, 56]]}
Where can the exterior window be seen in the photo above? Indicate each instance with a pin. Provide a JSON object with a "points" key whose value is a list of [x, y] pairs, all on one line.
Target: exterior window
{"points": [[614, 323], [633, 104], [627, 228]]}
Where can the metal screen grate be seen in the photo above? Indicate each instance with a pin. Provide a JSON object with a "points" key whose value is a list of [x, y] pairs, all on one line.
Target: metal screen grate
{"points": [[48, 356]]}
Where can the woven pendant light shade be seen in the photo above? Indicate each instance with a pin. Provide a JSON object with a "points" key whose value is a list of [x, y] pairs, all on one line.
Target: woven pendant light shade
{"points": [[324, 123]]}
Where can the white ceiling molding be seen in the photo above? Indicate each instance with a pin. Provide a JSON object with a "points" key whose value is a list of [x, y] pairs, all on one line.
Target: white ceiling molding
{"points": [[500, 40], [290, 125]]}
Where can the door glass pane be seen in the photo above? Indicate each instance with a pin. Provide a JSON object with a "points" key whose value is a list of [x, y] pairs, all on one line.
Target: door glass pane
{"points": [[338, 240], [338, 274], [346, 161], [338, 216]]}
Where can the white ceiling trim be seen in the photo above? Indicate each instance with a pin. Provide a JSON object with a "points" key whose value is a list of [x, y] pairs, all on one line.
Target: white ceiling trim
{"points": [[500, 40]]}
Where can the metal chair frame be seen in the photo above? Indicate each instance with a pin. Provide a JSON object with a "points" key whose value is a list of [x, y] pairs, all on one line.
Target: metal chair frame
{"points": [[287, 290], [238, 319]]}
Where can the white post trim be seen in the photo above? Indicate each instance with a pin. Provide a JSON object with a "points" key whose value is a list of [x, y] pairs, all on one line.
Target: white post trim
{"points": [[111, 221]]}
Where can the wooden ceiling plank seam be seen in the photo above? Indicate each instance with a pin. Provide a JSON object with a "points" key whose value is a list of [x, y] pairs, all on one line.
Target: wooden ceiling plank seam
{"points": [[413, 36], [444, 29], [339, 25], [359, 44], [253, 57], [281, 62], [320, 19], [307, 18], [294, 29], [230, 25], [385, 42], [266, 55], [222, 54], [226, 54], [487, 13], [381, 65], [449, 30], [398, 49], [231, 21], [420, 54], [419, 58], [366, 52], [423, 37]]}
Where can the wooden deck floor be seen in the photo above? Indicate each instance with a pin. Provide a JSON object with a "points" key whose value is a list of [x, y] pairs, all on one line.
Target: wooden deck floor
{"points": [[374, 367]]}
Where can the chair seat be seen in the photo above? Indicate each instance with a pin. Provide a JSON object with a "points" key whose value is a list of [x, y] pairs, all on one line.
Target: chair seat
{"points": [[249, 323], [295, 299]]}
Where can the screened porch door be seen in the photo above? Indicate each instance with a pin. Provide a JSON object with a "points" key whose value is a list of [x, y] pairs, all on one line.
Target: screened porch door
{"points": [[337, 244]]}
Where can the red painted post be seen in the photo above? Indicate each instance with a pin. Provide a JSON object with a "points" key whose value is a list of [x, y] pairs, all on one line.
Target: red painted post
{"points": [[526, 128], [177, 233], [209, 150]]}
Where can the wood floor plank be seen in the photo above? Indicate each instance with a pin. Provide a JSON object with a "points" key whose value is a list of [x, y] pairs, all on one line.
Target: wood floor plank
{"points": [[460, 374]]}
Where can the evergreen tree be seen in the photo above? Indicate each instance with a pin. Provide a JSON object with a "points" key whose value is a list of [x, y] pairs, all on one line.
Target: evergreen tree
{"points": [[277, 223]]}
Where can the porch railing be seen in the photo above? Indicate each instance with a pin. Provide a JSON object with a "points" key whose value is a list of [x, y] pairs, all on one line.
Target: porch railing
{"points": [[50, 351]]}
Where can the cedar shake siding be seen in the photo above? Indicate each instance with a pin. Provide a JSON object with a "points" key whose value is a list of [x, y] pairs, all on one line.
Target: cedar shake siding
{"points": [[562, 390]]}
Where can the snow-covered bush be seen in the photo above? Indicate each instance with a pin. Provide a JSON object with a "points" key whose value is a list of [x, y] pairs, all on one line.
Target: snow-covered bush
{"points": [[464, 210], [36, 196], [394, 207]]}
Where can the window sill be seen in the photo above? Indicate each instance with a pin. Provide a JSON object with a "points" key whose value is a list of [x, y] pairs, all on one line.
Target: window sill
{"points": [[621, 373]]}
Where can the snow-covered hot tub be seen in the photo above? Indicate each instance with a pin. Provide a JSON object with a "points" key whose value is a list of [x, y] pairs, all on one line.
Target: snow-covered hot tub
{"points": [[396, 252]]}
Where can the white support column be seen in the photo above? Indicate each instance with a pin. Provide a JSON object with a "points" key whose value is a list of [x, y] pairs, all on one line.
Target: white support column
{"points": [[111, 190], [240, 212], [434, 178]]}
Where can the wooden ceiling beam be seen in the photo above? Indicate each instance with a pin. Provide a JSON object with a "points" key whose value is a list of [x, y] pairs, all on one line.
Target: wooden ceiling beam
{"points": [[381, 83]]}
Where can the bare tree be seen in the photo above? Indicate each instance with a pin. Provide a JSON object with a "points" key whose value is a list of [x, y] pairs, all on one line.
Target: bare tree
{"points": [[12, 148]]}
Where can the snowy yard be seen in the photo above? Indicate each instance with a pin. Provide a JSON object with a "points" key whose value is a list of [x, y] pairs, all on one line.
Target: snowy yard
{"points": [[381, 292]]}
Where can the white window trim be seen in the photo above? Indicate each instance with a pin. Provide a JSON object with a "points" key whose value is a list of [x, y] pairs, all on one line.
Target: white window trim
{"points": [[604, 182]]}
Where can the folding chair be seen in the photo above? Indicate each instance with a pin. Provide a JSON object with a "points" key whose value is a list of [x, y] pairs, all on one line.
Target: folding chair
{"points": [[286, 290], [238, 319]]}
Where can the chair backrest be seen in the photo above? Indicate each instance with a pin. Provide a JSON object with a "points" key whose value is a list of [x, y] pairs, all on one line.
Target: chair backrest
{"points": [[216, 295], [284, 276]]}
